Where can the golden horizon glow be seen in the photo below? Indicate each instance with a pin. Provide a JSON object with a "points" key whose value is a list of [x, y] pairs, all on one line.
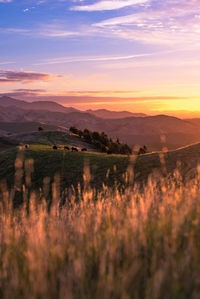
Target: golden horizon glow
{"points": [[139, 56]]}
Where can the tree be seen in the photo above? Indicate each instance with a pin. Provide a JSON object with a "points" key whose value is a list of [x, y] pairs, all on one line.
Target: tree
{"points": [[115, 148], [125, 149], [80, 133], [97, 144], [40, 128], [74, 130], [104, 139], [104, 148], [143, 150], [102, 142], [96, 136], [87, 135], [86, 131]]}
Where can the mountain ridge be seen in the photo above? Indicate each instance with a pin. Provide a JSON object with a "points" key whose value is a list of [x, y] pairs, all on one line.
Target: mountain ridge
{"points": [[6, 101], [53, 106], [109, 114], [147, 130]]}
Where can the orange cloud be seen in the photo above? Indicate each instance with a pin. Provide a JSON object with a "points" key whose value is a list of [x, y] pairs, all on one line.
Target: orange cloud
{"points": [[11, 76]]}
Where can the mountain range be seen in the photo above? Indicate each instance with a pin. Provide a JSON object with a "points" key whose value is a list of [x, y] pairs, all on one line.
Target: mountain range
{"points": [[134, 129], [38, 105], [55, 107], [104, 113]]}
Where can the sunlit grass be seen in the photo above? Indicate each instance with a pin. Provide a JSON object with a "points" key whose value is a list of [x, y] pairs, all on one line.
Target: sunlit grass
{"points": [[137, 244]]}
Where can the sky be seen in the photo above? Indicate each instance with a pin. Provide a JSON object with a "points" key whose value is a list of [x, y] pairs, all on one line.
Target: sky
{"points": [[136, 55]]}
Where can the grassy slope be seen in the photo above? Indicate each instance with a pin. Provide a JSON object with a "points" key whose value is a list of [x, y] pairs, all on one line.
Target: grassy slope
{"points": [[185, 159], [6, 144], [70, 165], [25, 127], [51, 138]]}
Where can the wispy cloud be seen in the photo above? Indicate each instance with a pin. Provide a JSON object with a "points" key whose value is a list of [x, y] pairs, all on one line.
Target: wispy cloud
{"points": [[25, 77], [58, 33], [14, 30], [101, 93], [132, 99], [28, 90], [75, 94], [94, 59], [26, 93], [6, 62], [166, 22], [149, 21], [108, 5], [94, 97], [46, 30]]}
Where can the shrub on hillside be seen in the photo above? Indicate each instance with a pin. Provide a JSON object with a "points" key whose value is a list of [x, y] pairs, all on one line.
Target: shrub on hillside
{"points": [[40, 128], [74, 130], [87, 135], [102, 142], [143, 150]]}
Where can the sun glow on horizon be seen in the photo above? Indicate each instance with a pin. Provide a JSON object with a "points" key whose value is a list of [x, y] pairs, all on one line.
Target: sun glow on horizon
{"points": [[141, 56]]}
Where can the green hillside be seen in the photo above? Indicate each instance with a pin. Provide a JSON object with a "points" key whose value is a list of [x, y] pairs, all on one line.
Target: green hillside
{"points": [[69, 165], [6, 144], [105, 169], [51, 138]]}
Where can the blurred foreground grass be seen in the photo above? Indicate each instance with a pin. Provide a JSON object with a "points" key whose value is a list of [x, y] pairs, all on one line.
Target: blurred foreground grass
{"points": [[136, 244]]}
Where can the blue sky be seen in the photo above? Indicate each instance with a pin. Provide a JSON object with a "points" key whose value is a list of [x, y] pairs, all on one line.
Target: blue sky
{"points": [[134, 54]]}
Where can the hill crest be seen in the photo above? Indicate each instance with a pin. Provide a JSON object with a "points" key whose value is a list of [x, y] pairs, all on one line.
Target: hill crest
{"points": [[109, 114], [52, 106]]}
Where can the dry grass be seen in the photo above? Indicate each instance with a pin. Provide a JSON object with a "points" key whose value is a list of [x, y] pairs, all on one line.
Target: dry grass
{"points": [[132, 245]]}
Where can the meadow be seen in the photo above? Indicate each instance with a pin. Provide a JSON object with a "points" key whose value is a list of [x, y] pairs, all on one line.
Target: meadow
{"points": [[47, 163], [139, 243], [109, 170]]}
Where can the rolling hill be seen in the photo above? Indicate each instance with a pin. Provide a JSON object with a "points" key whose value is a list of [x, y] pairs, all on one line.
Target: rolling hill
{"points": [[38, 105], [52, 106], [6, 144], [140, 130], [107, 170], [9, 128], [195, 121], [107, 114], [146, 130], [50, 138]]}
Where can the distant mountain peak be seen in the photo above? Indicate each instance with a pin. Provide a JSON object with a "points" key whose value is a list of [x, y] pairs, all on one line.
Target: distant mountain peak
{"points": [[6, 101], [109, 114]]}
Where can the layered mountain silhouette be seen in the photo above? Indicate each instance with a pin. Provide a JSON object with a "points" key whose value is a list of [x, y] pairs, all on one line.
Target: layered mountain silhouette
{"points": [[104, 113], [38, 105], [149, 130]]}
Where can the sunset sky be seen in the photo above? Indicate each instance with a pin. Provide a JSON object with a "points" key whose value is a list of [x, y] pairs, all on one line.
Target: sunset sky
{"points": [[136, 55]]}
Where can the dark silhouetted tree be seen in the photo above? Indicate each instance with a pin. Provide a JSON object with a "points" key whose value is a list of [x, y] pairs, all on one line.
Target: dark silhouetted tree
{"points": [[143, 150], [40, 128], [74, 130], [87, 134], [102, 142]]}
